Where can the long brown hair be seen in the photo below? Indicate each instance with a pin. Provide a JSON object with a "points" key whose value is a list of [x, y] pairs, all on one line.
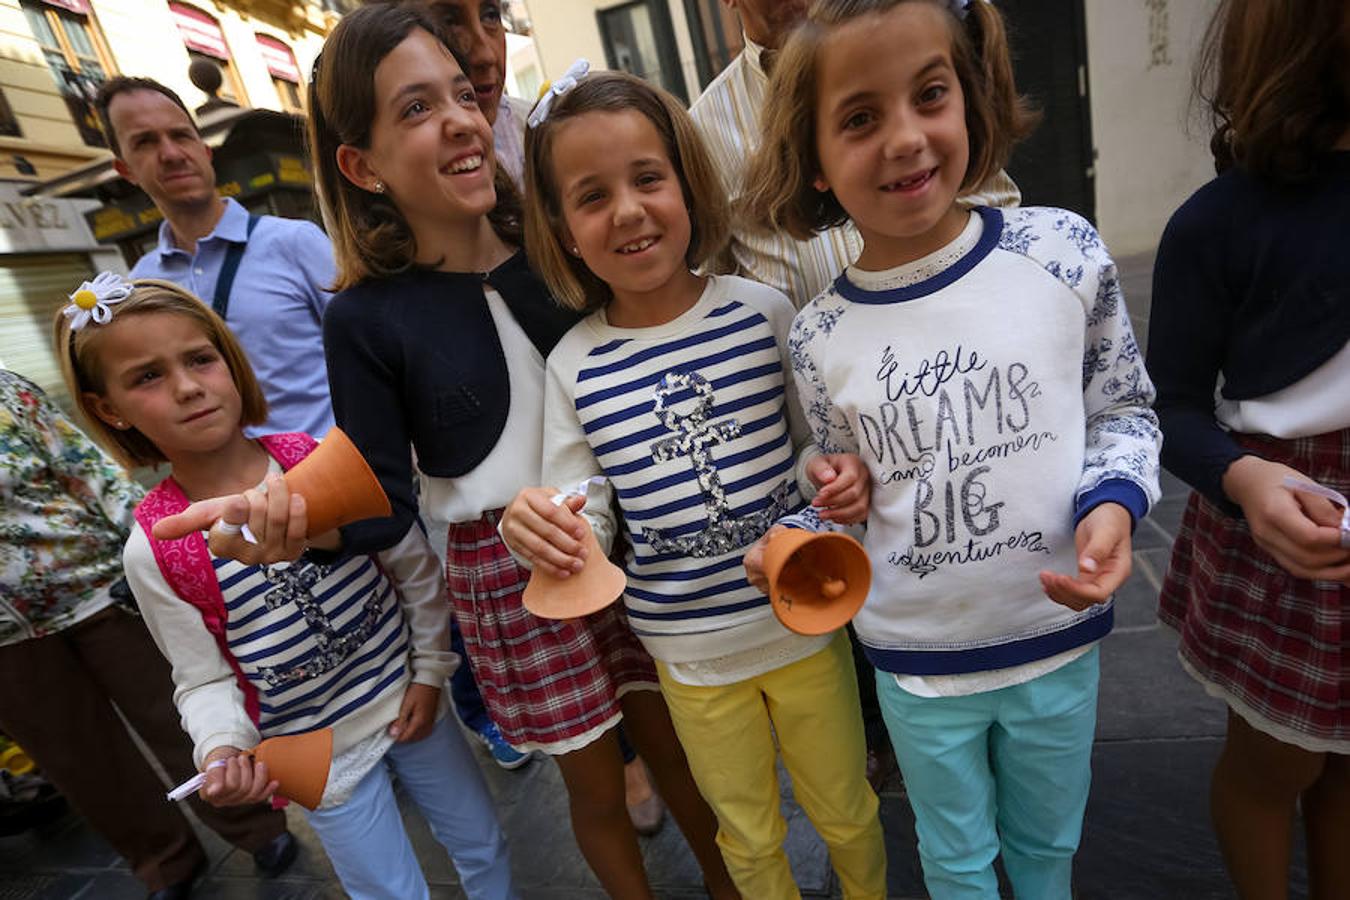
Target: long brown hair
{"points": [[1274, 75], [83, 374], [371, 237], [568, 278], [779, 194]]}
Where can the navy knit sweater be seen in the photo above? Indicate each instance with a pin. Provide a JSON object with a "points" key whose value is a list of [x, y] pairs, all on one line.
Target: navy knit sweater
{"points": [[1250, 283]]}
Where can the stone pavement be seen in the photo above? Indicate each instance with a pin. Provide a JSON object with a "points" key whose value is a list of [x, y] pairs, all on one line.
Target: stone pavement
{"points": [[1147, 834]]}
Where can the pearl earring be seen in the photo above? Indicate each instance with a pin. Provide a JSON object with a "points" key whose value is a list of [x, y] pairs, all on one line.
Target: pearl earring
{"points": [[121, 424], [576, 251], [379, 187]]}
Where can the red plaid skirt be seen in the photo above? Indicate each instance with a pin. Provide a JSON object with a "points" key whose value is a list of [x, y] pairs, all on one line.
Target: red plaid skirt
{"points": [[1274, 646], [549, 685]]}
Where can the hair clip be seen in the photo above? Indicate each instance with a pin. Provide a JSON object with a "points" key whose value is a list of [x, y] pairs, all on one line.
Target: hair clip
{"points": [[960, 8], [553, 91], [93, 299]]}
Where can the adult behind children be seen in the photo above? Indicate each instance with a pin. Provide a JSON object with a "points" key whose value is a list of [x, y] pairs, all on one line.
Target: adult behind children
{"points": [[268, 277], [475, 27], [70, 650], [1250, 285], [730, 113], [436, 342], [1002, 343], [623, 203], [359, 644]]}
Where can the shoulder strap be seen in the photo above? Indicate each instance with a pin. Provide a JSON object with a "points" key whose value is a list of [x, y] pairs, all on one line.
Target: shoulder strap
{"points": [[289, 448], [186, 566], [228, 269]]}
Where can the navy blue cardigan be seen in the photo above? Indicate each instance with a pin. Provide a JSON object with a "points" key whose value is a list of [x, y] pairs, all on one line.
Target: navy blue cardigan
{"points": [[1250, 282], [415, 361]]}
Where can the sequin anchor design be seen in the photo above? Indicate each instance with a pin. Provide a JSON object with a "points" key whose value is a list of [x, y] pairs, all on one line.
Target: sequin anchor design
{"points": [[294, 584], [694, 437]]}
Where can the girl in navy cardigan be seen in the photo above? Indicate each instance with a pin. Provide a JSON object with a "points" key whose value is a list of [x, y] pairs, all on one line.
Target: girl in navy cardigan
{"points": [[1249, 291]]}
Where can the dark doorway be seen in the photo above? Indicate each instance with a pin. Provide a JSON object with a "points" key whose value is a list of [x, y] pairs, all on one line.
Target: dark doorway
{"points": [[1055, 166], [716, 33], [639, 38]]}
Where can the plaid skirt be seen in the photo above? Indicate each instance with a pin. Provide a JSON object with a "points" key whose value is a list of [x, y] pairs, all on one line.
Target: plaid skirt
{"points": [[550, 685], [1274, 646]]}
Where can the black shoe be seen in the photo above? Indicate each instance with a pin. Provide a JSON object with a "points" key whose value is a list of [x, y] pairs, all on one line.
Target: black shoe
{"points": [[276, 857], [26, 801], [179, 890]]}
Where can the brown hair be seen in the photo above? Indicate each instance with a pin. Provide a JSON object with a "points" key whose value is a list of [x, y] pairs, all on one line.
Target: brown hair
{"points": [[568, 278], [1273, 73], [78, 352], [123, 84], [779, 194], [371, 238]]}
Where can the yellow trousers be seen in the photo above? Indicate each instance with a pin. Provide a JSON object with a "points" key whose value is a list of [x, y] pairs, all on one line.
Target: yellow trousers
{"points": [[728, 735]]}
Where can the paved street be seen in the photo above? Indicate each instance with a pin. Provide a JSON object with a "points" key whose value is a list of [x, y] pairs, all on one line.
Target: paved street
{"points": [[1147, 834]]}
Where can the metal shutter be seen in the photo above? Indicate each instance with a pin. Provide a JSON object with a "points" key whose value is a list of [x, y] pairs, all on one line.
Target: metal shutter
{"points": [[32, 289]]}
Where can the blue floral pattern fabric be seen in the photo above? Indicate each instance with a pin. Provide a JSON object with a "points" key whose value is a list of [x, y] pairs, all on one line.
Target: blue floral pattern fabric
{"points": [[65, 513]]}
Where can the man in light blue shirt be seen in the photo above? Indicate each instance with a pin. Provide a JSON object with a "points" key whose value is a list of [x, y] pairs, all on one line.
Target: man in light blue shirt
{"points": [[275, 301]]}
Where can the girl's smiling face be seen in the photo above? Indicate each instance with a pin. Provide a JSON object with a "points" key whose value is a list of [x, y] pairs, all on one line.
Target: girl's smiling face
{"points": [[430, 146], [891, 131], [164, 377], [622, 201]]}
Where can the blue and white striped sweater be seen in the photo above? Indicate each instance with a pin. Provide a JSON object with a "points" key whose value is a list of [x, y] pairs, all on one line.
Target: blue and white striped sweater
{"points": [[693, 428], [317, 642]]}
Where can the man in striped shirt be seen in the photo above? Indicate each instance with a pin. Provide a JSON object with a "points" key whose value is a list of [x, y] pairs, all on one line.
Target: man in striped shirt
{"points": [[729, 115]]}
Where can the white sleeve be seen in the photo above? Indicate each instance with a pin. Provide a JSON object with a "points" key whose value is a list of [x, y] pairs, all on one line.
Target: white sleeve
{"points": [[206, 691], [779, 311], [416, 573], [568, 458]]}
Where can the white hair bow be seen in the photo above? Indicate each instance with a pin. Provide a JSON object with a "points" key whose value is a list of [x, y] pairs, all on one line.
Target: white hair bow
{"points": [[93, 299], [959, 8], [552, 92]]}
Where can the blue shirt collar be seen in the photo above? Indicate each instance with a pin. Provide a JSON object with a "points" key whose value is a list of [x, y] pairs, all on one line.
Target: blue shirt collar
{"points": [[233, 226]]}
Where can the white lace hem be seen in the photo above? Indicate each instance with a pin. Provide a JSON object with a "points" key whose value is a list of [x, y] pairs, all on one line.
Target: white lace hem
{"points": [[576, 742], [1282, 733]]}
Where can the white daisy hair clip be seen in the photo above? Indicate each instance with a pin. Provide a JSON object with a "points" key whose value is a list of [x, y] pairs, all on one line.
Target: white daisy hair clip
{"points": [[94, 299]]}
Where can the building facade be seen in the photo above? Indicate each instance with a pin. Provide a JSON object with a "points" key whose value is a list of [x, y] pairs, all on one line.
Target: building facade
{"points": [[55, 53]]}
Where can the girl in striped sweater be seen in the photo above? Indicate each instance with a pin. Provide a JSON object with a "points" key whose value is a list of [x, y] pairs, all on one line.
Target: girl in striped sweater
{"points": [[672, 396], [358, 643]]}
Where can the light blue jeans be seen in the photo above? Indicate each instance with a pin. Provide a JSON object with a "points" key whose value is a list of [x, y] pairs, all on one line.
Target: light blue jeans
{"points": [[1005, 770], [370, 850]]}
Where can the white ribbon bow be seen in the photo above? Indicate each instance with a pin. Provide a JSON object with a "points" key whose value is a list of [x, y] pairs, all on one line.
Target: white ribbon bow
{"points": [[590, 489], [92, 300], [574, 73], [1321, 490]]}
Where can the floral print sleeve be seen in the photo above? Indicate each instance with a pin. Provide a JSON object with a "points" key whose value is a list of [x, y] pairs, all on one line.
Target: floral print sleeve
{"points": [[65, 513], [1122, 430]]}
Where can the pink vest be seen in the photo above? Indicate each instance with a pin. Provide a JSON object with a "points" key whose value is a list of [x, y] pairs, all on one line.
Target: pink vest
{"points": [[186, 562]]}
